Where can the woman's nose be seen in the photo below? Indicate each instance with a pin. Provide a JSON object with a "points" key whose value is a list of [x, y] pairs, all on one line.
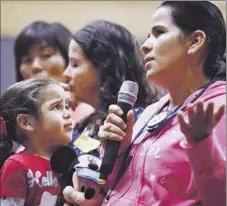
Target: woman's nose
{"points": [[67, 73], [147, 46], [37, 65]]}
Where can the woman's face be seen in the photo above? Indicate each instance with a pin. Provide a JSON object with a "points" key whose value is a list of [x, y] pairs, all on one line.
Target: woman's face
{"points": [[83, 77], [165, 49], [43, 60]]}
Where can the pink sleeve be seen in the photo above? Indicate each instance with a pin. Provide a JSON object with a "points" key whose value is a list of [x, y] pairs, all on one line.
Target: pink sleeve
{"points": [[13, 180], [208, 162]]}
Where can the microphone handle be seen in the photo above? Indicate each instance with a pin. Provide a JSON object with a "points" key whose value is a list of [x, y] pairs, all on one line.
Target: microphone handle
{"points": [[112, 147]]}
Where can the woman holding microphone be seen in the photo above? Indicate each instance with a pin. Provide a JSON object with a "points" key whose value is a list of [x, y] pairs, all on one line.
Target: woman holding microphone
{"points": [[176, 150]]}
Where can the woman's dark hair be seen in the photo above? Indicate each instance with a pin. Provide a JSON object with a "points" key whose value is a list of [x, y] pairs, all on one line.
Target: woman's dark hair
{"points": [[115, 53], [54, 34], [204, 15], [20, 98]]}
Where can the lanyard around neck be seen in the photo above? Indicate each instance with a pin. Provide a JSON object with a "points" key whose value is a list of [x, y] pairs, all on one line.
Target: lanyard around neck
{"points": [[153, 130]]}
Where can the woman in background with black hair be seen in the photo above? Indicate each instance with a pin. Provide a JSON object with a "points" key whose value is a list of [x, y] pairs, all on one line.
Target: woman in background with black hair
{"points": [[41, 49], [102, 55]]}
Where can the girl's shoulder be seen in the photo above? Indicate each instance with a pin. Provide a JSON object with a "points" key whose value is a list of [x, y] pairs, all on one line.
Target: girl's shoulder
{"points": [[13, 163]]}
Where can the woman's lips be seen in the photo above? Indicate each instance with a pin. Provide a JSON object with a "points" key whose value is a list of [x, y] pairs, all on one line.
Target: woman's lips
{"points": [[147, 61]]}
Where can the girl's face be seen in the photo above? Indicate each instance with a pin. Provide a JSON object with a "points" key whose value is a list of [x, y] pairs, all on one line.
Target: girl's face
{"points": [[43, 60], [165, 50], [83, 77], [54, 125]]}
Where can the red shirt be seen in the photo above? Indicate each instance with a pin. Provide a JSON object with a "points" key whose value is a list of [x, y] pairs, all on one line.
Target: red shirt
{"points": [[31, 178]]}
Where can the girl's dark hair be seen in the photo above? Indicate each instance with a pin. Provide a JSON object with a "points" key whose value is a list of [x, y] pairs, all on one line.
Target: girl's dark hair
{"points": [[204, 15], [54, 34], [115, 52], [20, 98]]}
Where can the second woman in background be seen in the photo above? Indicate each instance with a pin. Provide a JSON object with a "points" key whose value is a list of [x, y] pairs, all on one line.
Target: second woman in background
{"points": [[102, 55]]}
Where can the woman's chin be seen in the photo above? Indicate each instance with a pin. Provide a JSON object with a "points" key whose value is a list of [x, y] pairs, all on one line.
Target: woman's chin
{"points": [[151, 74]]}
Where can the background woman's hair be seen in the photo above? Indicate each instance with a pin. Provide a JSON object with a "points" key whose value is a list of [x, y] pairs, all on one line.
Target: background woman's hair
{"points": [[54, 34], [115, 52], [20, 98], [203, 15]]}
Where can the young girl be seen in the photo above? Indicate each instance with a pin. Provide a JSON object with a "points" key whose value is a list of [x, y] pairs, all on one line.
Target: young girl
{"points": [[36, 115]]}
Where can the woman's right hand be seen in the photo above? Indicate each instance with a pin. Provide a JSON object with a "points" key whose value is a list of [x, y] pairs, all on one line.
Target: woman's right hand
{"points": [[72, 99], [114, 128]]}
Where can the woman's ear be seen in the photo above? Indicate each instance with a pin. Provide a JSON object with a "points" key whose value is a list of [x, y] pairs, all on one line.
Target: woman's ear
{"points": [[26, 122], [197, 42]]}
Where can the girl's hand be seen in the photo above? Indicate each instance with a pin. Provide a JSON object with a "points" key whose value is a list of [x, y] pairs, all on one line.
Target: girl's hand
{"points": [[201, 121], [77, 197]]}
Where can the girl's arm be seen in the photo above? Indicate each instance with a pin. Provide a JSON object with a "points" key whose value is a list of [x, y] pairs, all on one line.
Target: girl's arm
{"points": [[12, 201]]}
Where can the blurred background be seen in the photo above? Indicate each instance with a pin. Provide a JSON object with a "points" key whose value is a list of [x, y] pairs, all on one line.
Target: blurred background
{"points": [[15, 15]]}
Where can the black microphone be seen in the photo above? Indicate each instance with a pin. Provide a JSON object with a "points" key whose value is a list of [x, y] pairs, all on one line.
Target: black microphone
{"points": [[63, 161], [126, 99]]}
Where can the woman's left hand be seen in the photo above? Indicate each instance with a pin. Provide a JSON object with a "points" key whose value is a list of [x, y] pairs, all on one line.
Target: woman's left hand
{"points": [[200, 122]]}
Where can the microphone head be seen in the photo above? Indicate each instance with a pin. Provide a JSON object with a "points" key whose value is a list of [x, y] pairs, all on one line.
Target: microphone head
{"points": [[62, 159], [128, 92]]}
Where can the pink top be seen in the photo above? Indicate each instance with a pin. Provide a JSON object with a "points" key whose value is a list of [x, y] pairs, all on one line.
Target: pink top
{"points": [[167, 172]]}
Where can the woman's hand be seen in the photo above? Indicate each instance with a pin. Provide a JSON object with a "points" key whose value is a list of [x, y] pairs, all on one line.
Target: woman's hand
{"points": [[72, 99], [114, 128], [201, 121]]}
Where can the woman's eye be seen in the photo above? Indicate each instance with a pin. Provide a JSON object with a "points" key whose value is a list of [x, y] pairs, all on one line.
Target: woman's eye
{"points": [[26, 60], [46, 55], [158, 32], [73, 64]]}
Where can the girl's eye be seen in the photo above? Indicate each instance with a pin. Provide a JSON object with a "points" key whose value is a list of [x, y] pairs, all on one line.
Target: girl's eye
{"points": [[57, 107], [67, 107]]}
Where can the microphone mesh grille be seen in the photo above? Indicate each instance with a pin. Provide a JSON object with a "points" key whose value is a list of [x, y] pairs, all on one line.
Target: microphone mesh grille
{"points": [[128, 92]]}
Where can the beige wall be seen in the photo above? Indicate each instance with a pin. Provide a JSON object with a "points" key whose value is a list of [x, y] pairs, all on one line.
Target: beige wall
{"points": [[134, 15]]}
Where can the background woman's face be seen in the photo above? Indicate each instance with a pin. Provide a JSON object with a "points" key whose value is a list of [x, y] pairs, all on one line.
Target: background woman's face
{"points": [[83, 77], [165, 49], [43, 60]]}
